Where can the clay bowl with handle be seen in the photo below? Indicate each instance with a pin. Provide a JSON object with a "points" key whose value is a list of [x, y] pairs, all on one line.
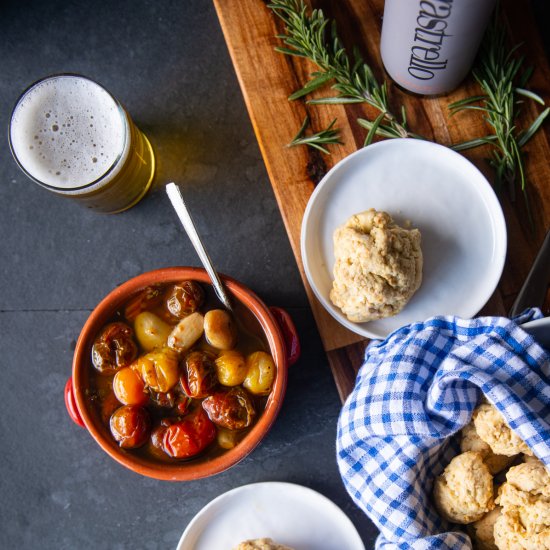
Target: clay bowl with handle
{"points": [[279, 335]]}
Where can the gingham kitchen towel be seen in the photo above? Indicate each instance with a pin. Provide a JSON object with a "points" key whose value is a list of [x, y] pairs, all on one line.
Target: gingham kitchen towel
{"points": [[415, 390]]}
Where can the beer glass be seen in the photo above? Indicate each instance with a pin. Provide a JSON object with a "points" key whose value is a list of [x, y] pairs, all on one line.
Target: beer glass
{"points": [[71, 136]]}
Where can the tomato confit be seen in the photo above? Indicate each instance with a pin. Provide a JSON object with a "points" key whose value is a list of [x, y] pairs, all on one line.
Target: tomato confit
{"points": [[174, 376]]}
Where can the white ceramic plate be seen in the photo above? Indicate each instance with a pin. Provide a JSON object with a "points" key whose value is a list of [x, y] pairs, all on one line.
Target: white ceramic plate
{"points": [[290, 514], [441, 193]]}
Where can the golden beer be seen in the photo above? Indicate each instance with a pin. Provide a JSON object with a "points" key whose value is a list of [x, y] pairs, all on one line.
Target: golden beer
{"points": [[71, 136]]}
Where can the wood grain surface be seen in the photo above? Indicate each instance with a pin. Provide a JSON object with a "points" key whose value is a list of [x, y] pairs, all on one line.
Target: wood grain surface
{"points": [[267, 78]]}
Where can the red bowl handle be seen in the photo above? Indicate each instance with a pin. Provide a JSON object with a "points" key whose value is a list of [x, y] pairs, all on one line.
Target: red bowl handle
{"points": [[70, 403], [290, 334]]}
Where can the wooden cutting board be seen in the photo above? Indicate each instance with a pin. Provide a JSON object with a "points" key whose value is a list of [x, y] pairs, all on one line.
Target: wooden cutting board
{"points": [[267, 78]]}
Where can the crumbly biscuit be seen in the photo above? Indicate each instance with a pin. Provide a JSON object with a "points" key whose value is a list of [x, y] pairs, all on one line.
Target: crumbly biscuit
{"points": [[533, 511], [492, 428], [378, 266], [463, 493], [510, 534], [482, 531], [531, 477], [470, 441], [261, 544], [525, 501]]}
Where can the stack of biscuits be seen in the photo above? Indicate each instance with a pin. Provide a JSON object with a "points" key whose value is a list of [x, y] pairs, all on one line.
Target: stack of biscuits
{"points": [[496, 487]]}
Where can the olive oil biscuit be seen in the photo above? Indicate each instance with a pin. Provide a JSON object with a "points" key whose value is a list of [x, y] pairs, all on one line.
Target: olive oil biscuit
{"points": [[492, 428], [463, 493], [525, 501], [482, 531], [470, 441], [378, 266], [261, 544]]}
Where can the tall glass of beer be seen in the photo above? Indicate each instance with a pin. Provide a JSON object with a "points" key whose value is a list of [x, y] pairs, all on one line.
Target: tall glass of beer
{"points": [[71, 136]]}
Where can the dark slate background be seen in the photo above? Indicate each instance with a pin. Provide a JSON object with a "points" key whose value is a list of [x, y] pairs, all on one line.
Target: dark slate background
{"points": [[168, 63]]}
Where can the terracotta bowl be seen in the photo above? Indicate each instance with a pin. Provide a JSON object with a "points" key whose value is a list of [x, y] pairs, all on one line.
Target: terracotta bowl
{"points": [[280, 336]]}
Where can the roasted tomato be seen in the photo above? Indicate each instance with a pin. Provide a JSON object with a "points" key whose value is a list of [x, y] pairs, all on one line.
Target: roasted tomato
{"points": [[157, 434], [148, 299], [130, 426], [158, 369], [199, 375], [231, 368], [114, 348], [260, 373], [231, 409], [189, 436], [173, 399], [129, 387], [184, 298]]}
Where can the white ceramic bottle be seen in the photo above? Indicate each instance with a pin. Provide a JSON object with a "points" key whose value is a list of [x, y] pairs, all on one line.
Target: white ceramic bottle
{"points": [[428, 46]]}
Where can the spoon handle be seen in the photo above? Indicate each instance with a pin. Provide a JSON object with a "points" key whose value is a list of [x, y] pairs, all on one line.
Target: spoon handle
{"points": [[174, 194]]}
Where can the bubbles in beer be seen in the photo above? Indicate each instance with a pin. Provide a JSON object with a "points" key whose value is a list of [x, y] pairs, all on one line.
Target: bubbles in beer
{"points": [[88, 116]]}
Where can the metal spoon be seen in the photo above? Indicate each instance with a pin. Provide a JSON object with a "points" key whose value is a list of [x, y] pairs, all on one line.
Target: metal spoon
{"points": [[174, 194]]}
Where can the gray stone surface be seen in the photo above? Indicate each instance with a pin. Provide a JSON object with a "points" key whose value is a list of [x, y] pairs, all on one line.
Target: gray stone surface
{"points": [[168, 63]]}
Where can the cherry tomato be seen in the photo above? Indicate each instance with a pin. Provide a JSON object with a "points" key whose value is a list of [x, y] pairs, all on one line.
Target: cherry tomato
{"points": [[157, 435], [199, 374], [148, 299], [129, 387], [130, 426], [158, 369], [231, 367], [260, 373], [231, 409], [184, 298], [173, 399], [114, 348], [189, 436], [109, 404]]}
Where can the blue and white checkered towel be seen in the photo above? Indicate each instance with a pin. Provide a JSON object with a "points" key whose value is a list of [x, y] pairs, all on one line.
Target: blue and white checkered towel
{"points": [[416, 389]]}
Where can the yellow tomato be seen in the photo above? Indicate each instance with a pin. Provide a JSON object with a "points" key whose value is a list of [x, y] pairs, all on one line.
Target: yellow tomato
{"points": [[158, 369], [231, 368], [129, 387], [260, 373]]}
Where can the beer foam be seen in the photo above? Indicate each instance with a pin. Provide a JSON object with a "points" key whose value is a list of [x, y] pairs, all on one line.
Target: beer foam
{"points": [[67, 131]]}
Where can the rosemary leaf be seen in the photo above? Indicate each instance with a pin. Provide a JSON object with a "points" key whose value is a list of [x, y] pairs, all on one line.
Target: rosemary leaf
{"points": [[526, 136], [317, 140], [470, 144], [339, 100], [312, 85], [457, 105], [500, 73], [530, 95], [315, 37], [373, 129]]}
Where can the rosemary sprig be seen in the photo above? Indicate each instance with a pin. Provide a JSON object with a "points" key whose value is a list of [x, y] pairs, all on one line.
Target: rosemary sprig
{"points": [[500, 74], [308, 35], [326, 136]]}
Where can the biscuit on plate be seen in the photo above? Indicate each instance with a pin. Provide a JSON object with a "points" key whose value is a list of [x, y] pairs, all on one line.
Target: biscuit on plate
{"points": [[261, 544], [378, 266]]}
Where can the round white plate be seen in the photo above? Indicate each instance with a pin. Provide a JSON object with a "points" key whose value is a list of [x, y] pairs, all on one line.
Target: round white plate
{"points": [[439, 192], [289, 514]]}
